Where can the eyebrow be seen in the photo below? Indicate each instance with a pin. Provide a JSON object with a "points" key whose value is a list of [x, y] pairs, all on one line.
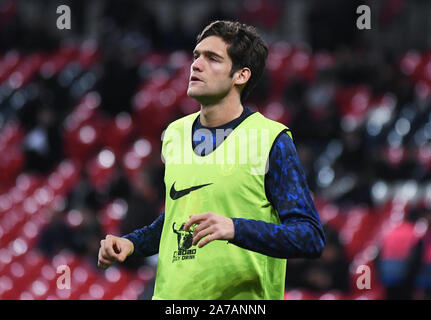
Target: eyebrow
{"points": [[208, 53]]}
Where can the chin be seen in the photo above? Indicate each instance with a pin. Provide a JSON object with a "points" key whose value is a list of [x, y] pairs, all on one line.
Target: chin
{"points": [[199, 98], [193, 94]]}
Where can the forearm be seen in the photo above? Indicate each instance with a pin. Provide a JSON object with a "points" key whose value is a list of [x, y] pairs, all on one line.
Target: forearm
{"points": [[299, 238], [147, 239]]}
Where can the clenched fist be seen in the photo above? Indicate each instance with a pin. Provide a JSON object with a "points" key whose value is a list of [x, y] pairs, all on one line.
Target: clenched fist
{"points": [[113, 249]]}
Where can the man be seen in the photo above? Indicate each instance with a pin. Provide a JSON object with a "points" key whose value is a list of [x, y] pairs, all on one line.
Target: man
{"points": [[237, 203]]}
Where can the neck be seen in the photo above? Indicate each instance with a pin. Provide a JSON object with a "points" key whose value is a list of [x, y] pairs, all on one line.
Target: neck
{"points": [[222, 112]]}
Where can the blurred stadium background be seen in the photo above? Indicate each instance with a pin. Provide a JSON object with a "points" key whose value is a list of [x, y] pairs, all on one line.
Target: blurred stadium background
{"points": [[82, 111]]}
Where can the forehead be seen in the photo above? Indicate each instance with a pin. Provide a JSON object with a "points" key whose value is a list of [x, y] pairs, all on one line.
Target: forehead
{"points": [[214, 44]]}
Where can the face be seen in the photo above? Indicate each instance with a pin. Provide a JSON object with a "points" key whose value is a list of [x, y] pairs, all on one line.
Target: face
{"points": [[210, 79]]}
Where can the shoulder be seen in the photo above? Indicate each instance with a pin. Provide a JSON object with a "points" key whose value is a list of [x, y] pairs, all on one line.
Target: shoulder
{"points": [[283, 139], [283, 146], [270, 124]]}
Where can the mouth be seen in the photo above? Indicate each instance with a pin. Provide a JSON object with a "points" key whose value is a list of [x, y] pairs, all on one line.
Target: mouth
{"points": [[195, 79]]}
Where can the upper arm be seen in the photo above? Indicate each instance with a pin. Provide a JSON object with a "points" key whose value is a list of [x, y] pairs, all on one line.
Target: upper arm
{"points": [[286, 184]]}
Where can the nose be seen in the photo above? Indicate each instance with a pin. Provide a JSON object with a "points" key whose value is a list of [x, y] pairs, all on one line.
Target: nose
{"points": [[197, 65]]}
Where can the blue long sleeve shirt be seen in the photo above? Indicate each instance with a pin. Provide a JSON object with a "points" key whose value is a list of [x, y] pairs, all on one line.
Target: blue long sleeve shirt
{"points": [[300, 234]]}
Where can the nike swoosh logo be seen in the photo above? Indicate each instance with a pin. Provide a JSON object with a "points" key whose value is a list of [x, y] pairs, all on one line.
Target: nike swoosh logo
{"points": [[176, 194]]}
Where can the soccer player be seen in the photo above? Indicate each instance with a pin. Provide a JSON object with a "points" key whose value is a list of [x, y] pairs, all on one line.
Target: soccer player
{"points": [[237, 201]]}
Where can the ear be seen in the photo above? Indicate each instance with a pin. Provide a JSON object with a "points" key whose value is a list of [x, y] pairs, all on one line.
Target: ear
{"points": [[242, 76]]}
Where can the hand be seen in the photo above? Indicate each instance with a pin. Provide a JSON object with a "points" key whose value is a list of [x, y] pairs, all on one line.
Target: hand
{"points": [[212, 225], [113, 249]]}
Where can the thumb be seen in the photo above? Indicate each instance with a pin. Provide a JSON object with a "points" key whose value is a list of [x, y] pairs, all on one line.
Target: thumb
{"points": [[121, 253], [121, 257], [118, 251]]}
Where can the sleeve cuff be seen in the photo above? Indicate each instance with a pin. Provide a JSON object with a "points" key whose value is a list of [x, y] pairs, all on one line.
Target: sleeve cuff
{"points": [[236, 230]]}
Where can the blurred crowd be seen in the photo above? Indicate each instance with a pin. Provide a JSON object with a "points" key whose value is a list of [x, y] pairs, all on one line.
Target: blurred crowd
{"points": [[344, 153]]}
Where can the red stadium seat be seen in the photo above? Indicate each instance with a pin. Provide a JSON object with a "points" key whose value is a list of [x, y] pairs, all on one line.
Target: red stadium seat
{"points": [[18, 275], [6, 286], [331, 214], [120, 131], [39, 288], [96, 291], [299, 295], [84, 277], [187, 106], [88, 53], [11, 164], [8, 64], [332, 295], [394, 156], [115, 281], [276, 111], [133, 289], [323, 60], [69, 174], [411, 64], [25, 70], [112, 215], [352, 232], [82, 136], [423, 90], [353, 101], [154, 109], [5, 205], [101, 168], [28, 183], [11, 134], [12, 223], [423, 154], [23, 271], [55, 62], [138, 155], [63, 178], [299, 63], [180, 85], [276, 61]]}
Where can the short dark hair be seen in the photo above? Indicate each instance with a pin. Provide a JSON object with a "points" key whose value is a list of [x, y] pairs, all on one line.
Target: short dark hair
{"points": [[245, 48]]}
